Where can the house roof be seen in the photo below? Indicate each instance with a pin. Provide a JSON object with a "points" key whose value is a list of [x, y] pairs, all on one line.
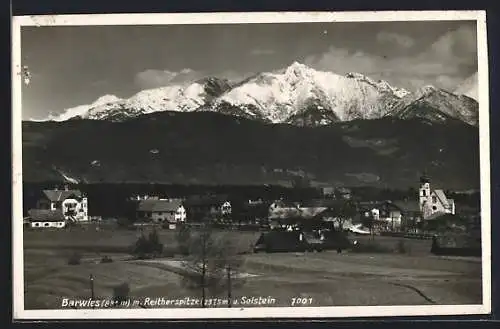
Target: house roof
{"points": [[159, 205], [61, 195], [45, 215], [442, 197], [407, 206]]}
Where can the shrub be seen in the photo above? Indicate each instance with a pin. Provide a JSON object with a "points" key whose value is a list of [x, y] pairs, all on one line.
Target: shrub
{"points": [[148, 247], [121, 292], [106, 259], [75, 259]]}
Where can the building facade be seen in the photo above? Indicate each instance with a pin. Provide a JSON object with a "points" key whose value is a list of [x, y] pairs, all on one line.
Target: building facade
{"points": [[73, 204], [46, 218], [433, 201], [169, 211], [199, 208]]}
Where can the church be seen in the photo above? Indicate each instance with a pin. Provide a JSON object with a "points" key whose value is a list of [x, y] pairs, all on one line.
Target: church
{"points": [[433, 202]]}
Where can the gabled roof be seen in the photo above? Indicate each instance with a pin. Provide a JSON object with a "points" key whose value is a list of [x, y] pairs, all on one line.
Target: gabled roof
{"points": [[61, 195], [45, 215], [407, 206], [442, 198], [159, 205]]}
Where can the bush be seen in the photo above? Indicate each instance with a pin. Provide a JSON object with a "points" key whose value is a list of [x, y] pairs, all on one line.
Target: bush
{"points": [[121, 292], [148, 247], [75, 259], [106, 259]]}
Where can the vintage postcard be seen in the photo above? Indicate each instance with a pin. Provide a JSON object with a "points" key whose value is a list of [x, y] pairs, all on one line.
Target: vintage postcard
{"points": [[251, 165]]}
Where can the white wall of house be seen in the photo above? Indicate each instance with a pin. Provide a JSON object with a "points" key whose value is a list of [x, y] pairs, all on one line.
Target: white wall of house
{"points": [[80, 209], [180, 215], [177, 216], [226, 208], [37, 224], [436, 204]]}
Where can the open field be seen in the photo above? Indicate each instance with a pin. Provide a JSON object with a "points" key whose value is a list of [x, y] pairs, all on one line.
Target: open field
{"points": [[326, 278]]}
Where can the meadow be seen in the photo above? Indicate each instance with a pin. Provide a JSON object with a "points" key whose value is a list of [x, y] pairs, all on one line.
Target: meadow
{"points": [[323, 279]]}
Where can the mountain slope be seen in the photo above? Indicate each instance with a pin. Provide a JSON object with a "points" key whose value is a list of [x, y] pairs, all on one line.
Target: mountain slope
{"points": [[283, 95], [469, 87], [182, 98], [189, 148], [437, 105]]}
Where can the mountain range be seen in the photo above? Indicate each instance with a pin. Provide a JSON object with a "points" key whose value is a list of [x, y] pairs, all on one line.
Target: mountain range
{"points": [[211, 148], [297, 95], [340, 130]]}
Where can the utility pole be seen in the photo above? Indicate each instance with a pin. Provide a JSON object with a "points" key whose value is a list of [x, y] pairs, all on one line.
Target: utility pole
{"points": [[92, 286], [229, 292]]}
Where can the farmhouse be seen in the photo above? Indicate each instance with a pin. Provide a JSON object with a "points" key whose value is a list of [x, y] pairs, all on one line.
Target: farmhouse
{"points": [[388, 213], [72, 203], [433, 201], [253, 211], [411, 215], [46, 218], [200, 207], [161, 211]]}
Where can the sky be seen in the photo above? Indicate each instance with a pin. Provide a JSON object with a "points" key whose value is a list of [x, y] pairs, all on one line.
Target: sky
{"points": [[75, 65]]}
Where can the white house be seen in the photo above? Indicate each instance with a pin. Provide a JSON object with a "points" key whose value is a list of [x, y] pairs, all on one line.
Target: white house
{"points": [[46, 218], [72, 203], [198, 207], [433, 201], [169, 211]]}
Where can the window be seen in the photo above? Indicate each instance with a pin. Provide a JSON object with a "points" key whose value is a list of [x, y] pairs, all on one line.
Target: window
{"points": [[434, 199], [46, 224], [424, 193], [434, 208]]}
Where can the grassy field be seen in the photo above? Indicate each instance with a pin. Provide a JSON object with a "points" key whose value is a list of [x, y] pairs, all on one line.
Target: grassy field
{"points": [[326, 278]]}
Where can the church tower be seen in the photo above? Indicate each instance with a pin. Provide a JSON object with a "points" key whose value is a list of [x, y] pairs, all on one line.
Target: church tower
{"points": [[424, 192]]}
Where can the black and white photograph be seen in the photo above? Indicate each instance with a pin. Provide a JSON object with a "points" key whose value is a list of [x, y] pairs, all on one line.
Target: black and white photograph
{"points": [[251, 165]]}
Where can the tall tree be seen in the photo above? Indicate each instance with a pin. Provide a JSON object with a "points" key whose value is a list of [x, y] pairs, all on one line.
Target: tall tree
{"points": [[343, 210], [211, 264]]}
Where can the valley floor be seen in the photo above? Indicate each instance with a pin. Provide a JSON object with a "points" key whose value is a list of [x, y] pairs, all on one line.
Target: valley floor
{"points": [[325, 279]]}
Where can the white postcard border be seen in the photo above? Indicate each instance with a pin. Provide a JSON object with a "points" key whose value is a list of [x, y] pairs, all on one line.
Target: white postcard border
{"points": [[19, 313]]}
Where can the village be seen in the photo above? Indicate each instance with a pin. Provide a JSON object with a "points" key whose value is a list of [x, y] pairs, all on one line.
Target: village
{"points": [[428, 214], [150, 251]]}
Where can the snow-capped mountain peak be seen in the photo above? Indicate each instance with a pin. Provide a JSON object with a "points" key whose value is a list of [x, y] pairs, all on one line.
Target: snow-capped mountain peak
{"points": [[380, 84], [82, 110], [296, 94], [436, 104]]}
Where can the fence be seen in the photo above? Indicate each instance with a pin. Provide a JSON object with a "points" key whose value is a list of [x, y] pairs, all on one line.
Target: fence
{"points": [[418, 236]]}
